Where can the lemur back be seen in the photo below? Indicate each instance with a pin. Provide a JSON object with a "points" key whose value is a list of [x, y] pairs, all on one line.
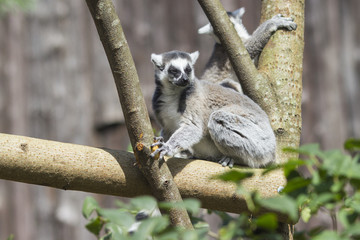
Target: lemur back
{"points": [[206, 119]]}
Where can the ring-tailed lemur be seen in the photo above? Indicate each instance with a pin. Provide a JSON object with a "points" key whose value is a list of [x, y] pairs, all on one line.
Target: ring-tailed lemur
{"points": [[218, 67], [210, 121]]}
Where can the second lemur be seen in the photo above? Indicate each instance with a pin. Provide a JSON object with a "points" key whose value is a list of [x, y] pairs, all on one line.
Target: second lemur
{"points": [[218, 68], [208, 120]]}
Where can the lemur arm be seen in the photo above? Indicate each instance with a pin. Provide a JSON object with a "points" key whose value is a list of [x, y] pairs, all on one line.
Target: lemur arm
{"points": [[182, 139], [256, 43]]}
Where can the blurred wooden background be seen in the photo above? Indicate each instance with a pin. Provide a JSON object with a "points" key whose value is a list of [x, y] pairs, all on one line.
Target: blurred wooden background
{"points": [[55, 83]]}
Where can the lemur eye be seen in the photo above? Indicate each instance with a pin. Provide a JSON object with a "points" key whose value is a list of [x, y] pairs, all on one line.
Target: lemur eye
{"points": [[188, 70], [174, 71]]}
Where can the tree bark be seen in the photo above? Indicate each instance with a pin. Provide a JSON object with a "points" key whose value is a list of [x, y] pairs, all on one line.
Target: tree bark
{"points": [[76, 167], [133, 105], [282, 62]]}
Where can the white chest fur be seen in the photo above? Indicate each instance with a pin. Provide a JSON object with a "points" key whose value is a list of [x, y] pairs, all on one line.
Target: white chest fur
{"points": [[169, 114]]}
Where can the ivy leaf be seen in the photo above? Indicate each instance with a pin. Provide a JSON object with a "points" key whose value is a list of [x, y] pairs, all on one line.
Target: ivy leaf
{"points": [[144, 202], [151, 226], [95, 225], [191, 235], [352, 144], [117, 216], [306, 214], [115, 231], [89, 205], [234, 176], [267, 221], [308, 149], [295, 184], [282, 204], [191, 205], [326, 235]]}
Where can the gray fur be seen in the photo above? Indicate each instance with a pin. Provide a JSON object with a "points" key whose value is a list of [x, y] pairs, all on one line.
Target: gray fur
{"points": [[216, 123], [219, 67]]}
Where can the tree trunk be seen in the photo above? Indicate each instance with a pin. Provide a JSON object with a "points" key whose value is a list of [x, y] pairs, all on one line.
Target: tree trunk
{"points": [[277, 86]]}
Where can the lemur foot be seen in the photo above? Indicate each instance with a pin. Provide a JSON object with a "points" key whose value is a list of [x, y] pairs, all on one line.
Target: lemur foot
{"points": [[226, 161], [284, 22]]}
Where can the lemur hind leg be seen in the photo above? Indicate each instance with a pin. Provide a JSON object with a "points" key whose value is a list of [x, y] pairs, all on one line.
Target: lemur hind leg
{"points": [[241, 140]]}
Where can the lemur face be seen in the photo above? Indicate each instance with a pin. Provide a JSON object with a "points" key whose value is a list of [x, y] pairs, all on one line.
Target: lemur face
{"points": [[175, 67]]}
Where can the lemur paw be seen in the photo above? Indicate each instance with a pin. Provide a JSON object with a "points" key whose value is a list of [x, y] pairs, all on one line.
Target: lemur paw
{"points": [[226, 161], [284, 22], [158, 139], [161, 151]]}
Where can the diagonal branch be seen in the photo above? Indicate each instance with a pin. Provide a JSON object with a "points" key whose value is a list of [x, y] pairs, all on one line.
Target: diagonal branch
{"points": [[254, 84], [132, 101]]}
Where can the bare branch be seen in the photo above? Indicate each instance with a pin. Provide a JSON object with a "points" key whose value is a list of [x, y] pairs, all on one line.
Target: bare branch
{"points": [[134, 108]]}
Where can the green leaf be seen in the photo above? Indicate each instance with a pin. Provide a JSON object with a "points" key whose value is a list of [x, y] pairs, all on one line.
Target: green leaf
{"points": [[192, 205], [295, 184], [338, 185], [353, 230], [117, 216], [327, 235], [115, 230], [292, 165], [267, 221], [190, 235], [234, 176], [95, 225], [227, 232], [89, 205], [282, 204], [167, 236], [144, 203], [151, 226], [308, 149], [352, 144], [201, 224], [306, 214]]}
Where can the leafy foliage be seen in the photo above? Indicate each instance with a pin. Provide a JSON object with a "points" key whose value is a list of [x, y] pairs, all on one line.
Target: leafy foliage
{"points": [[120, 223], [329, 180]]}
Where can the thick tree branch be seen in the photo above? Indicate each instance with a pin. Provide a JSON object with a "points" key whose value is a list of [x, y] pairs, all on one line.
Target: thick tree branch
{"points": [[76, 167], [254, 84], [136, 115]]}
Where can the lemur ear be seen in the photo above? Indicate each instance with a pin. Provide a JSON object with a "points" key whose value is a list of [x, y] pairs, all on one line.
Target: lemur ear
{"points": [[238, 13], [194, 56], [207, 29], [157, 60]]}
